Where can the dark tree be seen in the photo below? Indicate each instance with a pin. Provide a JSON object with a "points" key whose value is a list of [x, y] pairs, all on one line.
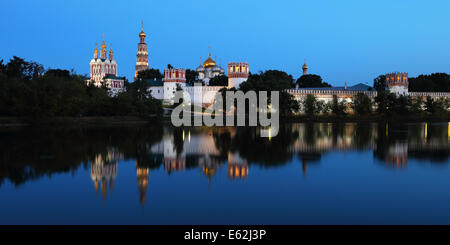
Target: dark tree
{"points": [[310, 105], [338, 108], [191, 77], [29, 93], [58, 73], [436, 82], [379, 83], [273, 80], [150, 74], [311, 81], [385, 102], [401, 105], [219, 81], [2, 67], [361, 104], [429, 105], [21, 69]]}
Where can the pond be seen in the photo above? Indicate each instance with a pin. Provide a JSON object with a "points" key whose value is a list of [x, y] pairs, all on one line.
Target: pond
{"points": [[310, 173]]}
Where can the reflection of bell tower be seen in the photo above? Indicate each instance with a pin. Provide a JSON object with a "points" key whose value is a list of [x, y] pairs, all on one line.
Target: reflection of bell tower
{"points": [[142, 179], [304, 166], [209, 172]]}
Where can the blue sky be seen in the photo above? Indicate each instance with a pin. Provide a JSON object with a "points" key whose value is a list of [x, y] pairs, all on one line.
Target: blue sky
{"points": [[343, 41]]}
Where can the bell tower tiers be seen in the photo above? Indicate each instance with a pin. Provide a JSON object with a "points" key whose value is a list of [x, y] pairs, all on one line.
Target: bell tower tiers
{"points": [[142, 54]]}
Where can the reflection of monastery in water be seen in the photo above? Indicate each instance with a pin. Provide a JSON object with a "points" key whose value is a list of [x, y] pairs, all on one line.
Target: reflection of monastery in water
{"points": [[104, 170], [203, 149], [422, 142], [192, 147]]}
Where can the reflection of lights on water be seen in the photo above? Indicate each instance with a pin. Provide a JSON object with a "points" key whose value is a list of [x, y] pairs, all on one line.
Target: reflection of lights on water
{"points": [[189, 135], [183, 134], [387, 129], [448, 130], [426, 131], [270, 133]]}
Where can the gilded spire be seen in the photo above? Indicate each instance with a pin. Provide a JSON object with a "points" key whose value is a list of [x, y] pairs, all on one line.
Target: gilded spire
{"points": [[103, 43], [103, 51], [111, 53], [142, 33], [305, 68], [95, 52]]}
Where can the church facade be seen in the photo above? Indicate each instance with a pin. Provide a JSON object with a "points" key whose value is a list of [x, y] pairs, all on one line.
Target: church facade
{"points": [[103, 70]]}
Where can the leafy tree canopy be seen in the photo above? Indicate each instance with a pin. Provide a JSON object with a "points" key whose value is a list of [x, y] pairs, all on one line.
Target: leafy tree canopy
{"points": [[436, 82], [379, 83], [271, 80], [149, 74], [219, 81], [311, 81]]}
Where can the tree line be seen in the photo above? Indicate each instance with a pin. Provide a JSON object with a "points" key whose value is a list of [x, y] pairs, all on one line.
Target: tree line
{"points": [[384, 103], [29, 91]]}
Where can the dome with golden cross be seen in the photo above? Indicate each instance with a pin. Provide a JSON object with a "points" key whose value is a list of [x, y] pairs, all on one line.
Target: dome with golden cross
{"points": [[209, 63]]}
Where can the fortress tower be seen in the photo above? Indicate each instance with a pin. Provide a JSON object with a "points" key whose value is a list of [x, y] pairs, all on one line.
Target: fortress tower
{"points": [[237, 73], [397, 83], [172, 78], [142, 54]]}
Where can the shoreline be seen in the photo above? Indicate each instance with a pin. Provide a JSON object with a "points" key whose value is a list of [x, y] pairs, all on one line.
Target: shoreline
{"points": [[134, 120]]}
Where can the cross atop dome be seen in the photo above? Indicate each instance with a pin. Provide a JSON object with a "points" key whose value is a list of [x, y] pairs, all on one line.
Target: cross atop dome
{"points": [[209, 63]]}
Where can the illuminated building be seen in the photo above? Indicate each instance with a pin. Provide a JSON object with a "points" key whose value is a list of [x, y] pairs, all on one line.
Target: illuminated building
{"points": [[237, 73], [142, 54], [397, 83], [209, 69], [103, 70], [173, 79]]}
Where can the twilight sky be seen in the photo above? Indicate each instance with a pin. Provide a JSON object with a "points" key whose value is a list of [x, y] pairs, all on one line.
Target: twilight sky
{"points": [[343, 41]]}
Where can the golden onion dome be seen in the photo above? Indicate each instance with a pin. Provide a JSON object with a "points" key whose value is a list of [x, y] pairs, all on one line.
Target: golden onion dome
{"points": [[103, 45], [305, 66], [142, 34], [209, 63]]}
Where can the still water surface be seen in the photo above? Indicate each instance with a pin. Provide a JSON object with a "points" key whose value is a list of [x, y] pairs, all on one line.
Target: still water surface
{"points": [[318, 173]]}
